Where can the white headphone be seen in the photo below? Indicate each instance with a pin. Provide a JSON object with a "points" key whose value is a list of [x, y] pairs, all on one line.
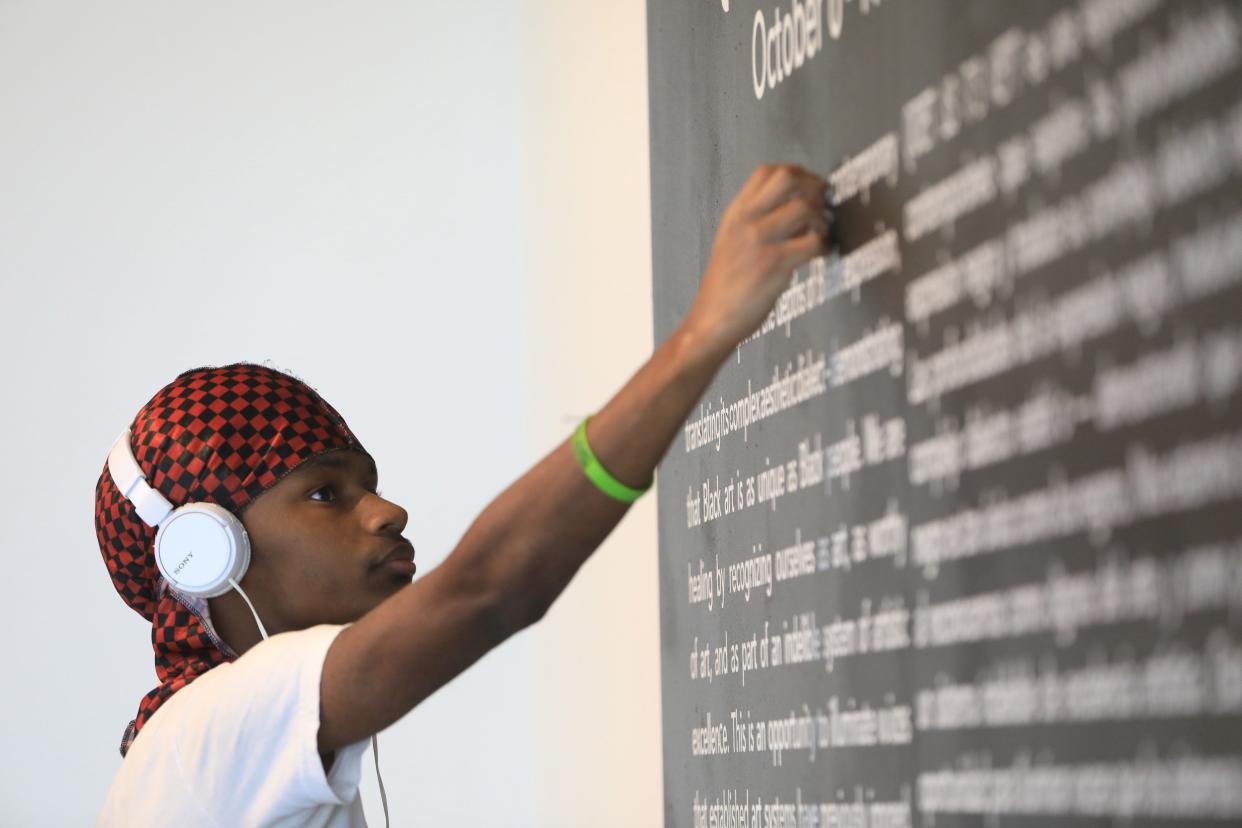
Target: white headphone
{"points": [[201, 549]]}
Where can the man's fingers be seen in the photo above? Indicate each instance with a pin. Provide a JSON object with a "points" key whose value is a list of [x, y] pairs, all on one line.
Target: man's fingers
{"points": [[801, 249], [792, 217], [785, 182], [756, 181]]}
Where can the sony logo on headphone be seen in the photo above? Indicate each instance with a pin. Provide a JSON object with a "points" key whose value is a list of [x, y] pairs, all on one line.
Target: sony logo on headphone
{"points": [[181, 566]]}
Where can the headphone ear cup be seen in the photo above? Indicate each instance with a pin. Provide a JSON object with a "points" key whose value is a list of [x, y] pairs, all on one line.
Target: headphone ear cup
{"points": [[200, 547]]}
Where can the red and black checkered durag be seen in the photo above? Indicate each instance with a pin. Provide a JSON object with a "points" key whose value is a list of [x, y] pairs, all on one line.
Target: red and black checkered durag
{"points": [[217, 435]]}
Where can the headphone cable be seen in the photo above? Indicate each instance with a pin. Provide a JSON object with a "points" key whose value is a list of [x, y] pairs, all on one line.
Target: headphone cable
{"points": [[379, 776], [246, 598]]}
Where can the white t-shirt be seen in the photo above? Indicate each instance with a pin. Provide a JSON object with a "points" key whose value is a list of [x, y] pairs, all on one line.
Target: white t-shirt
{"points": [[237, 747]]}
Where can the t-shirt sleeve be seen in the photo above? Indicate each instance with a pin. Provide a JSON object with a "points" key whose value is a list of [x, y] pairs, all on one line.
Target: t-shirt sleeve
{"points": [[251, 740]]}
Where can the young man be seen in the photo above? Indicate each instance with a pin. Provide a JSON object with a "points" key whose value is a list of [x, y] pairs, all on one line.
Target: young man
{"points": [[243, 731]]}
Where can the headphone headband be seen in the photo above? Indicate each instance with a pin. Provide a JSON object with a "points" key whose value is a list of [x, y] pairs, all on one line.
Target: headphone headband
{"points": [[151, 506], [200, 548]]}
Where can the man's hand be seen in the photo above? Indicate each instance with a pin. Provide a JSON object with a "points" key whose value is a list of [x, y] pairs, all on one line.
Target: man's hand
{"points": [[775, 223]]}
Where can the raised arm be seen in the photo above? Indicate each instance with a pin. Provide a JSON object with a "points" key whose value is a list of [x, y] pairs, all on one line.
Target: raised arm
{"points": [[523, 549]]}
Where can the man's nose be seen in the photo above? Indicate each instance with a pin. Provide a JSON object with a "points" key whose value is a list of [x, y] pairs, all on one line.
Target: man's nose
{"points": [[385, 516]]}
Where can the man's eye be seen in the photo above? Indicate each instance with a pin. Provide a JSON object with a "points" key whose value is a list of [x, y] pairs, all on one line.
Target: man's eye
{"points": [[324, 489]]}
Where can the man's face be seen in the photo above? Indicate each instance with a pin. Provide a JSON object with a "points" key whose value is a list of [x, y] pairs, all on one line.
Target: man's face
{"points": [[325, 547]]}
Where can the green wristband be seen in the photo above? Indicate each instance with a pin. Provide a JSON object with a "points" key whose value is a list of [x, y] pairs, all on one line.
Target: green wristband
{"points": [[597, 474]]}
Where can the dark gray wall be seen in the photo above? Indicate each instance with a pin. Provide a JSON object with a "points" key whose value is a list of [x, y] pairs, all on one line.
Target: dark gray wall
{"points": [[1006, 577]]}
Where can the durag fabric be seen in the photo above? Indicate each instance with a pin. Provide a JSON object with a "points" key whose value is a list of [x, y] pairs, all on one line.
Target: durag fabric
{"points": [[213, 435]]}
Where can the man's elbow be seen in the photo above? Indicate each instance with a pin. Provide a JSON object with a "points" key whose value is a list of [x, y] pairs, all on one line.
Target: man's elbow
{"points": [[518, 608], [513, 585]]}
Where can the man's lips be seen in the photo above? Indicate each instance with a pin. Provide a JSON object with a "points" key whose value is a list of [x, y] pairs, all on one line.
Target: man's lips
{"points": [[400, 559]]}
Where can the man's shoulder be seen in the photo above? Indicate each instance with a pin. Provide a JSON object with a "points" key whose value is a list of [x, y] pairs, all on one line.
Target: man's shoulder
{"points": [[241, 739], [265, 674]]}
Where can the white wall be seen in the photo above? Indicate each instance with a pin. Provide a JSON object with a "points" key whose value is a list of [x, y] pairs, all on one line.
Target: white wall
{"points": [[328, 185], [587, 196], [424, 210]]}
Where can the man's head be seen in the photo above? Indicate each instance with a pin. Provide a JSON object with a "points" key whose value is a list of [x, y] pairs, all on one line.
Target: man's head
{"points": [[325, 548], [268, 448]]}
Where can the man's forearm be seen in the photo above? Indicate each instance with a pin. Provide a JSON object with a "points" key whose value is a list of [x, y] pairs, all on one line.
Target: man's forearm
{"points": [[528, 543]]}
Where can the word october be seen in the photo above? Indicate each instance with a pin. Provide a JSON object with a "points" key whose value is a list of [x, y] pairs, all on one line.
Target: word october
{"points": [[778, 49]]}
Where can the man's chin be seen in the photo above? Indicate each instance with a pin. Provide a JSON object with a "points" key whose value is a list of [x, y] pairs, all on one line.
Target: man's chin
{"points": [[386, 585]]}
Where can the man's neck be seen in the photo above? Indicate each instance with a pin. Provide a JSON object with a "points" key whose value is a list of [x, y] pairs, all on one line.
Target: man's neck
{"points": [[233, 622]]}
